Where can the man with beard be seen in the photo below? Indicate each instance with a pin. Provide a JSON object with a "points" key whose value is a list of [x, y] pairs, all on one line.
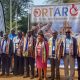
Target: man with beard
{"points": [[69, 52]]}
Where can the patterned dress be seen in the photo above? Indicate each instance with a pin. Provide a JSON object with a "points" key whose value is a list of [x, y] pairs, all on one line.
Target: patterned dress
{"points": [[39, 63]]}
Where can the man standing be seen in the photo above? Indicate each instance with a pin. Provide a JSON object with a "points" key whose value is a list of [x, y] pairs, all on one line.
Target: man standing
{"points": [[1, 37], [11, 36], [69, 52], [18, 58], [25, 55], [7, 46], [53, 43], [30, 59], [78, 55]]}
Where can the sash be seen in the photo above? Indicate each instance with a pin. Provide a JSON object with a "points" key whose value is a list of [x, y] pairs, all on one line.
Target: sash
{"points": [[44, 56], [43, 53], [25, 52], [6, 46], [20, 47], [78, 44], [0, 49], [53, 47], [56, 49], [30, 46], [70, 46], [2, 45]]}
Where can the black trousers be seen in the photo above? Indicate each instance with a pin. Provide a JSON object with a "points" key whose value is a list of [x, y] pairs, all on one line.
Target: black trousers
{"points": [[55, 68], [29, 63], [0, 62], [5, 63], [78, 61], [26, 66], [18, 65]]}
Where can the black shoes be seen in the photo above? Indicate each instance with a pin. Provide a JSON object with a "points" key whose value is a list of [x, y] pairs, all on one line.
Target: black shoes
{"points": [[26, 76], [2, 74], [32, 77]]}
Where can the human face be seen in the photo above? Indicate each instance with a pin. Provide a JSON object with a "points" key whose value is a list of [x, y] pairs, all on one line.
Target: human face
{"points": [[54, 35], [19, 34], [5, 37], [68, 34], [13, 32], [40, 38]]}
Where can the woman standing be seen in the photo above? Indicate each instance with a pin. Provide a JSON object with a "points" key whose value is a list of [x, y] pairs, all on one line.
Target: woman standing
{"points": [[41, 52]]}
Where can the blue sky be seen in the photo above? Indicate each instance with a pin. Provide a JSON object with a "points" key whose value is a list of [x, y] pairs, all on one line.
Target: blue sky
{"points": [[39, 2]]}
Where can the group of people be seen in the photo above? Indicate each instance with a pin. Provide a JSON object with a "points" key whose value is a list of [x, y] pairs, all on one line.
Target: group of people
{"points": [[19, 53]]}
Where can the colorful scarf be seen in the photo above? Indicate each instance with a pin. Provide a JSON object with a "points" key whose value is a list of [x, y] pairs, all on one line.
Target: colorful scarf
{"points": [[78, 44], [43, 52], [25, 49], [28, 43], [70, 47], [7, 45], [20, 47], [0, 49]]}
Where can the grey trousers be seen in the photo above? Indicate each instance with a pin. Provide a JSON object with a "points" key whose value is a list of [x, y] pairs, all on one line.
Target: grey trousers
{"points": [[69, 61]]}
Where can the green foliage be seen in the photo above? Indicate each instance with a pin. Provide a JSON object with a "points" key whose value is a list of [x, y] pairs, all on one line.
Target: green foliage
{"points": [[66, 1], [23, 24], [51, 1], [17, 5]]}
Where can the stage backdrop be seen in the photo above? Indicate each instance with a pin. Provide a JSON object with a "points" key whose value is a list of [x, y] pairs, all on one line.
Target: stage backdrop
{"points": [[57, 14], [2, 23]]}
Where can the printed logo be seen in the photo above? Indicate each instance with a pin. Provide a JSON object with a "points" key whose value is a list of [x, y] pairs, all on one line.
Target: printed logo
{"points": [[74, 10]]}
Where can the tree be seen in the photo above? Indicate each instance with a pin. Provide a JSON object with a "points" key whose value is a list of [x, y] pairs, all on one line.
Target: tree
{"points": [[64, 1], [23, 24], [53, 1], [17, 5]]}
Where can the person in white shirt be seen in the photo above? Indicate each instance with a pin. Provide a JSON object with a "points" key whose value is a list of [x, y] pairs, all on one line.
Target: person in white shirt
{"points": [[18, 58], [69, 53]]}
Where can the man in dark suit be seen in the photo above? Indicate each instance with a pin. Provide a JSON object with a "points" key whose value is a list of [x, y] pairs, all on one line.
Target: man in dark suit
{"points": [[7, 46]]}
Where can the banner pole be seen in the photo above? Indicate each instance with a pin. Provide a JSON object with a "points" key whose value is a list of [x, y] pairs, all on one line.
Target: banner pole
{"points": [[10, 15], [28, 21], [28, 17], [16, 21]]}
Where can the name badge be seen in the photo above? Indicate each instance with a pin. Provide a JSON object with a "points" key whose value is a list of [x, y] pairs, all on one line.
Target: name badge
{"points": [[16, 46], [30, 45], [67, 46], [53, 48]]}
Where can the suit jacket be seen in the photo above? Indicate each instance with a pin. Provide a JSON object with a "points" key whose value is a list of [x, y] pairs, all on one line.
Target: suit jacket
{"points": [[9, 46], [74, 48], [29, 49], [56, 46]]}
